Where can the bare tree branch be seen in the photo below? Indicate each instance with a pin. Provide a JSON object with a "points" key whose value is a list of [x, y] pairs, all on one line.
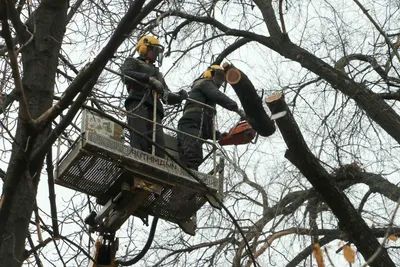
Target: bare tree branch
{"points": [[22, 32], [36, 248], [30, 241], [194, 247], [73, 10], [390, 96], [385, 238], [342, 62], [2, 175], [230, 49], [268, 14], [387, 40], [52, 195], [350, 220], [307, 251], [16, 75], [281, 17]]}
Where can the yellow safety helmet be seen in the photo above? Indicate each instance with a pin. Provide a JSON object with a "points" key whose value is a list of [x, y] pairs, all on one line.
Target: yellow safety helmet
{"points": [[210, 71], [215, 72], [150, 43]]}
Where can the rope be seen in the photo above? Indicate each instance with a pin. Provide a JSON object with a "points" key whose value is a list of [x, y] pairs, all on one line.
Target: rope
{"points": [[201, 123], [146, 94]]}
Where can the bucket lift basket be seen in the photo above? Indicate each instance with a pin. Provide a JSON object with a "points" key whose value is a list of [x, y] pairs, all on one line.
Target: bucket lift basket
{"points": [[100, 164]]}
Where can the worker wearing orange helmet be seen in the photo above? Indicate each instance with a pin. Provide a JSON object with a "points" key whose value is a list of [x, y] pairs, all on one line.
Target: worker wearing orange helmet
{"points": [[197, 121], [140, 100]]}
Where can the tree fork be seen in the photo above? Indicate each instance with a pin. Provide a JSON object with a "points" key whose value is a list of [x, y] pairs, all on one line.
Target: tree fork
{"points": [[350, 220]]}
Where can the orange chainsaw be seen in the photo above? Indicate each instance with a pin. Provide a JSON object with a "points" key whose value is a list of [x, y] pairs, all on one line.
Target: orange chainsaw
{"points": [[240, 134]]}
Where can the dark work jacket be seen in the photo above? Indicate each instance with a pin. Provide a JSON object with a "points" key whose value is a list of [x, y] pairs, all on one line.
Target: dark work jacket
{"points": [[207, 92], [141, 71]]}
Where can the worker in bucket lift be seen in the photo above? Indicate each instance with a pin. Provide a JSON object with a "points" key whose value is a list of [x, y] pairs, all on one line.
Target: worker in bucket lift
{"points": [[197, 120], [140, 100]]}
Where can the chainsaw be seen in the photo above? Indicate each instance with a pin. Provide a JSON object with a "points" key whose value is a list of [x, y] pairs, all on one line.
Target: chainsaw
{"points": [[241, 133]]}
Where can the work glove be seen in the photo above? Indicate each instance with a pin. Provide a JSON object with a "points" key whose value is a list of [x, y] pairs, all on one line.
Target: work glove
{"points": [[157, 86], [183, 94], [241, 113]]}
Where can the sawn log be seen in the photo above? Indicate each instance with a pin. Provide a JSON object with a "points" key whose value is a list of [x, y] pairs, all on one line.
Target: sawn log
{"points": [[250, 100]]}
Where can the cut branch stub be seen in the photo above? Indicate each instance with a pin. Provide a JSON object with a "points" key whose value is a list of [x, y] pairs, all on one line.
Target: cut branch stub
{"points": [[250, 100], [274, 97], [277, 105]]}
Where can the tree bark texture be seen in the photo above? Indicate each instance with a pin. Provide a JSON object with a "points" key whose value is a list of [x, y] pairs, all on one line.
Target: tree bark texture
{"points": [[250, 100], [350, 220], [39, 64]]}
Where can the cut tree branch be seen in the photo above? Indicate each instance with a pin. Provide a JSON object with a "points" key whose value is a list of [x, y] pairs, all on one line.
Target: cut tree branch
{"points": [[250, 100]]}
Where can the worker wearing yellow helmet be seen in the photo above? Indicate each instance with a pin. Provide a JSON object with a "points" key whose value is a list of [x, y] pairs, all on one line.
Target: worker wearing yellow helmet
{"points": [[142, 78], [149, 47], [197, 121]]}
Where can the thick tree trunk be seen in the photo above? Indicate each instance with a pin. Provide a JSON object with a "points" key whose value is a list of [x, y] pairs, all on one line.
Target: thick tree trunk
{"points": [[251, 101], [40, 60], [39, 65], [350, 220]]}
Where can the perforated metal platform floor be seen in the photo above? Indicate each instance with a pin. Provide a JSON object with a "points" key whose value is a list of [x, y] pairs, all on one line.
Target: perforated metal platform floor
{"points": [[97, 165]]}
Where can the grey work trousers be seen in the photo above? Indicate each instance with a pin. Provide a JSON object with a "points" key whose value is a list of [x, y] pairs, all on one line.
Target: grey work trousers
{"points": [[191, 149], [146, 128]]}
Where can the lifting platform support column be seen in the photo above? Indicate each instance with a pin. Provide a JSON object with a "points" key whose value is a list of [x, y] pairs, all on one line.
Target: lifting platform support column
{"points": [[104, 253], [212, 199]]}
